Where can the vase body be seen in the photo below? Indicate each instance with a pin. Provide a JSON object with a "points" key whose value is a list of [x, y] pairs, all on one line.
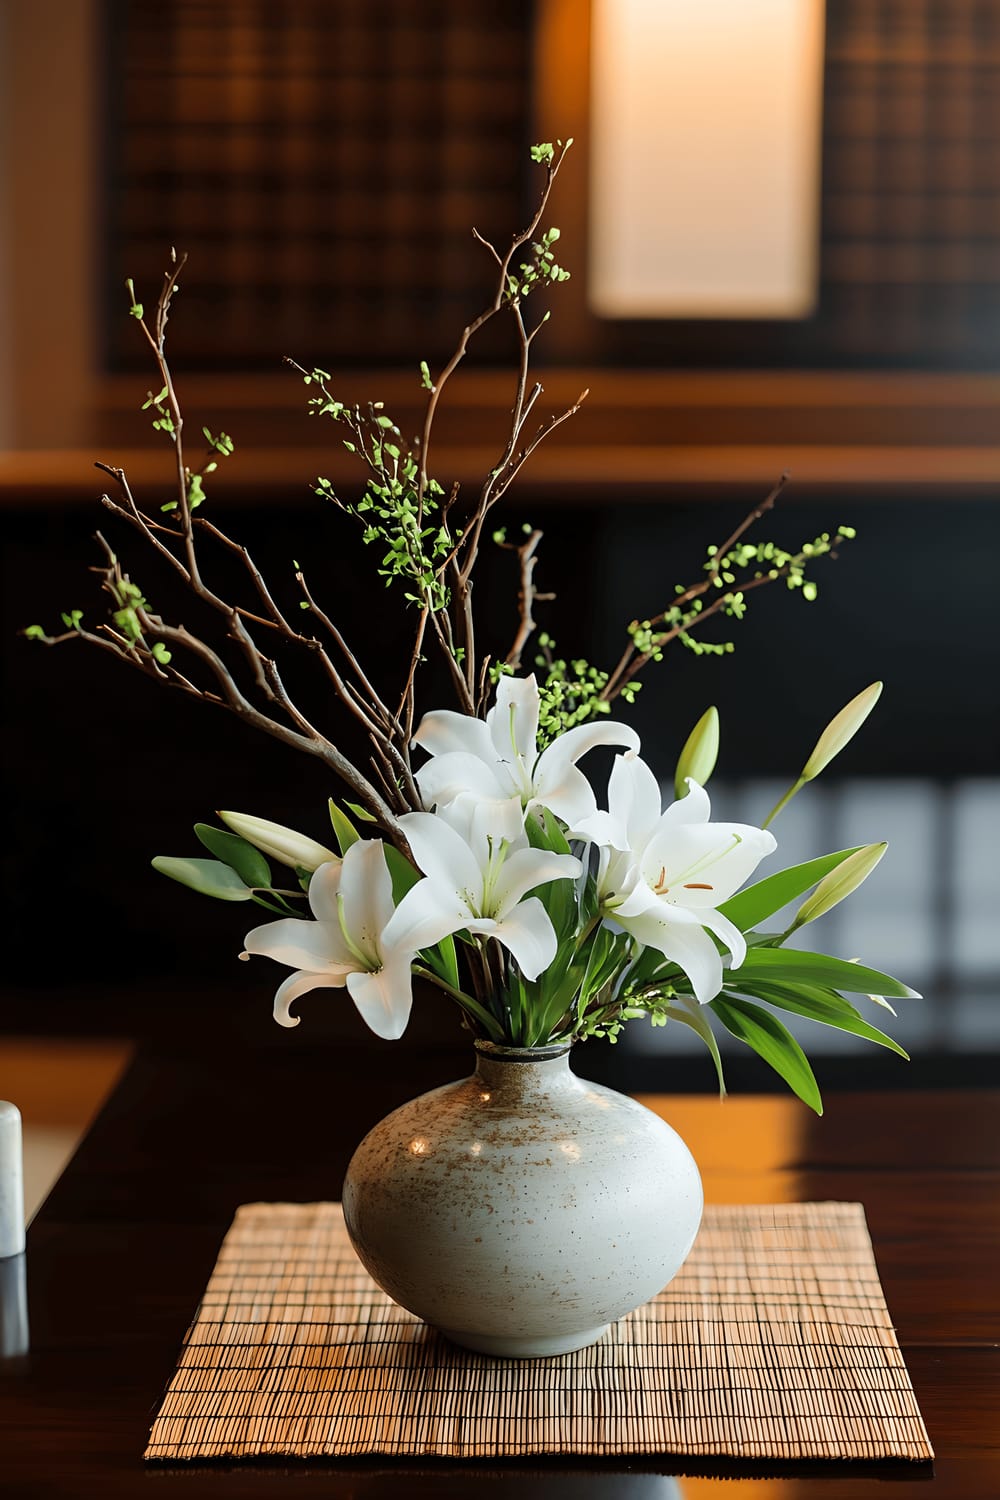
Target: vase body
{"points": [[522, 1210]]}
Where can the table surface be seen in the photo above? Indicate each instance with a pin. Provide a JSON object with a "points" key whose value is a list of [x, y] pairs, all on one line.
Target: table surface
{"points": [[121, 1251]]}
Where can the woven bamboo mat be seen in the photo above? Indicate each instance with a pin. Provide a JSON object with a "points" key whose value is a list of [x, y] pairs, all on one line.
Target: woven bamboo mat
{"points": [[773, 1342]]}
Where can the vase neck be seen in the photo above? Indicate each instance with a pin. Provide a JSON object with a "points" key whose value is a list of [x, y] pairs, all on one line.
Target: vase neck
{"points": [[523, 1072]]}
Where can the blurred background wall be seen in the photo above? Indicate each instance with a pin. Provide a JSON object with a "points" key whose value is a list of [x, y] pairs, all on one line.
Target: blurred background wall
{"points": [[322, 163]]}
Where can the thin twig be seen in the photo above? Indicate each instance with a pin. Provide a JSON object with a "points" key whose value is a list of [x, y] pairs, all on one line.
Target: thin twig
{"points": [[258, 581], [375, 700], [527, 594]]}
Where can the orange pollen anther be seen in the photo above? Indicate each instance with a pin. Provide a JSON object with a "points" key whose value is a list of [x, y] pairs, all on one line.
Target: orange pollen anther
{"points": [[661, 888], [695, 886]]}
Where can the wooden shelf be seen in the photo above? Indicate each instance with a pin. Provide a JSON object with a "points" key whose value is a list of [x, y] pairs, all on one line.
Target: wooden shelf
{"points": [[645, 432]]}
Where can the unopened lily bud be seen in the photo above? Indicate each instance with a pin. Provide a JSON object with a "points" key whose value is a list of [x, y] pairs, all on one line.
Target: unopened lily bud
{"points": [[833, 888], [701, 750], [283, 844], [841, 730]]}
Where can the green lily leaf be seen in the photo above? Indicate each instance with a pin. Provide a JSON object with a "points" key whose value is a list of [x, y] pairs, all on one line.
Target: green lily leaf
{"points": [[760, 901], [248, 862], [443, 961], [404, 876], [209, 877], [773, 1042], [818, 968], [557, 896], [693, 1015], [275, 903], [651, 967], [825, 1006], [606, 954], [345, 830], [544, 833], [361, 813]]}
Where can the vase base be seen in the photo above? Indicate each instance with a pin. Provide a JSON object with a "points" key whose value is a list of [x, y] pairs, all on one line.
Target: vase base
{"points": [[503, 1346]]}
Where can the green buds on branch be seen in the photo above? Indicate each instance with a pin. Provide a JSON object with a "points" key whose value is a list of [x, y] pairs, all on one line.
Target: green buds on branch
{"points": [[539, 269], [392, 510], [163, 421]]}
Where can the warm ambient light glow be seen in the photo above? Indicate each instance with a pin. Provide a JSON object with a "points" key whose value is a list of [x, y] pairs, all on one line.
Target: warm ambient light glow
{"points": [[705, 157]]}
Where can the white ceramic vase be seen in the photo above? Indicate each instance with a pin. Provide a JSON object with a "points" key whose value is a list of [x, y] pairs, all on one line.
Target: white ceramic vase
{"points": [[523, 1210]]}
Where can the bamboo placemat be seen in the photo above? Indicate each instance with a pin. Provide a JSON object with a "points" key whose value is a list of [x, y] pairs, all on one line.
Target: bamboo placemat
{"points": [[773, 1342]]}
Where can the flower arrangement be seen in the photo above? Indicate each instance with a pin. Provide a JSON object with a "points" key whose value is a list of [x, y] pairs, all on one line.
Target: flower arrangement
{"points": [[473, 852]]}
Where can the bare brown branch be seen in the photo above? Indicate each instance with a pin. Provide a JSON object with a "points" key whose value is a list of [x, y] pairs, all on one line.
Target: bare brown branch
{"points": [[527, 594]]}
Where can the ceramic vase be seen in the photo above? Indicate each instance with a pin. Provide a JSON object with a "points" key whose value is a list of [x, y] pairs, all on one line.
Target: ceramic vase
{"points": [[523, 1210]]}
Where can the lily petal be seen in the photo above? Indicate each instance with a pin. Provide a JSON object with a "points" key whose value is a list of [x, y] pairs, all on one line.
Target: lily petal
{"points": [[366, 890], [569, 747], [678, 936], [484, 825], [570, 798], [695, 807], [528, 934], [702, 864], [728, 933], [634, 895], [633, 799], [443, 732], [559, 785], [428, 912], [318, 947], [446, 777], [600, 829], [441, 853], [523, 870], [296, 985], [324, 884], [513, 720], [384, 998]]}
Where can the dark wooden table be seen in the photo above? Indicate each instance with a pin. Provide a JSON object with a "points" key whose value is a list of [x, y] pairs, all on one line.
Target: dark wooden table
{"points": [[121, 1251]]}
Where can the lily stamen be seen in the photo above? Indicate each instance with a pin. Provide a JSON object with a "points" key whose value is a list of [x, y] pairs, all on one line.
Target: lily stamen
{"points": [[699, 867]]}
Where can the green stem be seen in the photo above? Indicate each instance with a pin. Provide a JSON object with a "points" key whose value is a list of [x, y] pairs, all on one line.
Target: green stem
{"points": [[588, 929], [472, 1007], [776, 809]]}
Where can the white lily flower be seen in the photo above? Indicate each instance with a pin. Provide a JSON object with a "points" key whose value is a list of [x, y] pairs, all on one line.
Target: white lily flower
{"points": [[351, 900], [478, 867], [497, 758], [662, 874]]}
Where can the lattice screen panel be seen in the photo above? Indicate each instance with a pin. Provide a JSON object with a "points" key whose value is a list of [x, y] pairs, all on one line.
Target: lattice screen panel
{"points": [[322, 162], [911, 199]]}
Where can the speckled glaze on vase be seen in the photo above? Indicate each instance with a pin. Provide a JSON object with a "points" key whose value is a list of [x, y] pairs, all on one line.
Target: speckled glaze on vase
{"points": [[523, 1210]]}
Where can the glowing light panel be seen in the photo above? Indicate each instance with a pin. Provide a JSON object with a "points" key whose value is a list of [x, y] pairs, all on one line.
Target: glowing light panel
{"points": [[705, 158]]}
